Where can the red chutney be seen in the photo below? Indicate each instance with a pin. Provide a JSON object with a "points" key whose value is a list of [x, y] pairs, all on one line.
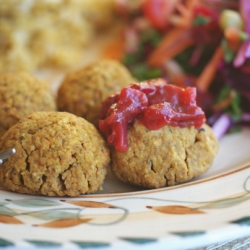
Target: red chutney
{"points": [[155, 103]]}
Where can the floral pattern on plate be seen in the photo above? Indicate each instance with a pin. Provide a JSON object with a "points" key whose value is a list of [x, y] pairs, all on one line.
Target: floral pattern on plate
{"points": [[207, 210]]}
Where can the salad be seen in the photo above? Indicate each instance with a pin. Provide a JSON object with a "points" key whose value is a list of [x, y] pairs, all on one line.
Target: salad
{"points": [[198, 43]]}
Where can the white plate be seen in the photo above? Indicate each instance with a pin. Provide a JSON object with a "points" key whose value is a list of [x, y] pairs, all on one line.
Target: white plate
{"points": [[212, 208]]}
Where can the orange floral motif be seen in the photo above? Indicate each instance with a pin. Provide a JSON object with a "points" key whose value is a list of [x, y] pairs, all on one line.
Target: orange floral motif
{"points": [[9, 219], [92, 204], [63, 223], [176, 210]]}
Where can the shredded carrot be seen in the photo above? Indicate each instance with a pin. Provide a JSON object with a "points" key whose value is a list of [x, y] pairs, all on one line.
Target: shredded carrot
{"points": [[184, 16], [233, 38], [182, 80], [172, 44], [207, 75], [178, 80], [184, 11], [232, 34], [191, 4], [114, 49], [179, 21], [224, 103]]}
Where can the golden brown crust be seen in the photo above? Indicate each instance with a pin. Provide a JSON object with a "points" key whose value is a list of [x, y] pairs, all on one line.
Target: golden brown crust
{"points": [[21, 94], [83, 92], [164, 157], [57, 154]]}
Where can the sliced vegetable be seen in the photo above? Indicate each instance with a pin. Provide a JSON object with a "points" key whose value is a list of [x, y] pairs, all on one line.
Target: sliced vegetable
{"points": [[157, 12], [174, 42], [208, 40], [210, 70]]}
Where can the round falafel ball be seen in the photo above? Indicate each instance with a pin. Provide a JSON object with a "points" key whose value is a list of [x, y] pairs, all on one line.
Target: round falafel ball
{"points": [[22, 94], [164, 157], [82, 92], [57, 154]]}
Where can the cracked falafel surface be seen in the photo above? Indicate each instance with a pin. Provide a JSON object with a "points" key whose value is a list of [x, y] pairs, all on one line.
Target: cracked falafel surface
{"points": [[82, 92], [20, 95], [57, 154], [164, 157]]}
